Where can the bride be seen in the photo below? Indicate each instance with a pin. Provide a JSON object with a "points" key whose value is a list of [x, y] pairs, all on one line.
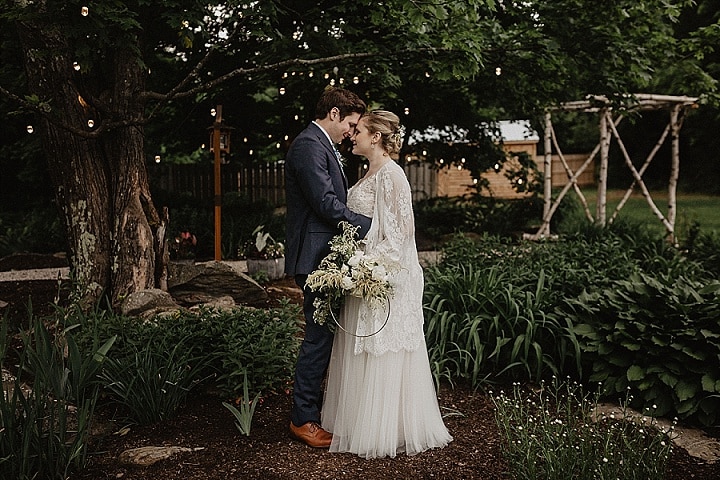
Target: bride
{"points": [[380, 398]]}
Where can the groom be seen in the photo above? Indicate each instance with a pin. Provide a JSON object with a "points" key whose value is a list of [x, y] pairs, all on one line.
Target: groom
{"points": [[316, 193]]}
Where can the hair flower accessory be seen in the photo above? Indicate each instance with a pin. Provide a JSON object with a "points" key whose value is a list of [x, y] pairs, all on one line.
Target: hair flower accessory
{"points": [[398, 136]]}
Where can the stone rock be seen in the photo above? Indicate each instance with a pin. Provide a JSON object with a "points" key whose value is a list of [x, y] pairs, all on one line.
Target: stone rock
{"points": [[695, 441], [147, 303], [145, 456], [206, 282], [222, 303]]}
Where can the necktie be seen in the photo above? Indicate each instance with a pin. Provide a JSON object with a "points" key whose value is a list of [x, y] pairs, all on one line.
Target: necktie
{"points": [[339, 158]]}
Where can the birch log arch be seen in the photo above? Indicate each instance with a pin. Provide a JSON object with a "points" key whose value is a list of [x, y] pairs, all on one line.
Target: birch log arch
{"points": [[609, 118]]}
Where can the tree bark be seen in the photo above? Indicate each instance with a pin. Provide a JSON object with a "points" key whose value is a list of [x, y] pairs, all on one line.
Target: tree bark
{"points": [[100, 182]]}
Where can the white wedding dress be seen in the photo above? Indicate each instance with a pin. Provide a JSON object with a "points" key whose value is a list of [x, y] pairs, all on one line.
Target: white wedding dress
{"points": [[380, 397]]}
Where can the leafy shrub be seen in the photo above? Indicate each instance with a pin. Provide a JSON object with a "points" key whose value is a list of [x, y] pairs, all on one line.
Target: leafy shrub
{"points": [[39, 230], [263, 342], [152, 382], [705, 249], [658, 335], [478, 214]]}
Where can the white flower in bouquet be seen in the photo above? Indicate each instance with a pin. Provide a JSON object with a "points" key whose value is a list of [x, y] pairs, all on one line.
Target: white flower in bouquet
{"points": [[347, 270]]}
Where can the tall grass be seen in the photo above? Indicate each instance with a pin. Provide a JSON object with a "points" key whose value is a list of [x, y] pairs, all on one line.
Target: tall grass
{"points": [[46, 413]]}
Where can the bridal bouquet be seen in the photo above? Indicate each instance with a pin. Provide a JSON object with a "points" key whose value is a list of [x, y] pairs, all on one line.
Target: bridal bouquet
{"points": [[347, 270]]}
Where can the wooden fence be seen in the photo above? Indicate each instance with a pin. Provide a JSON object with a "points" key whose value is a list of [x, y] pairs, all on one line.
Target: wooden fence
{"points": [[259, 182]]}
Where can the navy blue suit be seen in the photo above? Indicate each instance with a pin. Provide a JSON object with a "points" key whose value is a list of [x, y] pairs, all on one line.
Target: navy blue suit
{"points": [[316, 193]]}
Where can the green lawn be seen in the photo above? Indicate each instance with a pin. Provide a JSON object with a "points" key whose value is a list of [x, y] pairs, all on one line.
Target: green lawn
{"points": [[692, 207]]}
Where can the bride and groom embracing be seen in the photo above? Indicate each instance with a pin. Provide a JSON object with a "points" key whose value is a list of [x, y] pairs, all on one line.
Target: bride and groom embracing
{"points": [[379, 397]]}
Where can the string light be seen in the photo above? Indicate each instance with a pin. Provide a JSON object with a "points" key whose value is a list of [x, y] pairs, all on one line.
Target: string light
{"points": [[84, 11], [30, 129], [356, 80], [213, 112], [76, 66], [282, 90], [498, 71], [91, 123], [407, 110], [157, 158]]}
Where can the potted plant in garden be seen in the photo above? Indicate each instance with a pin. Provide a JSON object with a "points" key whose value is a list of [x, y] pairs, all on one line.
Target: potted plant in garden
{"points": [[263, 255], [182, 248]]}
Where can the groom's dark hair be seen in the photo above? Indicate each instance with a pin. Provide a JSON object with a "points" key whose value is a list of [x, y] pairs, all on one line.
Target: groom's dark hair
{"points": [[345, 100]]}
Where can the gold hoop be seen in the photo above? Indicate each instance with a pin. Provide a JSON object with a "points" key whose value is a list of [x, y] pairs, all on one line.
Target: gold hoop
{"points": [[363, 336]]}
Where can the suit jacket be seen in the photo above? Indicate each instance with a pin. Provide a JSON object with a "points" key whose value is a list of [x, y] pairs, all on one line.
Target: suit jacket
{"points": [[316, 193]]}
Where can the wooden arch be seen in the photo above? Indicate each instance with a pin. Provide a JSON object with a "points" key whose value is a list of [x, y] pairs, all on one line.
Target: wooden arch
{"points": [[609, 120]]}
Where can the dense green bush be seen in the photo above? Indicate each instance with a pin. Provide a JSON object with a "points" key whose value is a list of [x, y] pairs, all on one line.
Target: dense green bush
{"points": [[38, 230], [617, 305], [226, 343], [447, 215], [659, 336]]}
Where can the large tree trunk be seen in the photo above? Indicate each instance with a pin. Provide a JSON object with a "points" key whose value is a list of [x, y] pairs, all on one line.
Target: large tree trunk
{"points": [[100, 183]]}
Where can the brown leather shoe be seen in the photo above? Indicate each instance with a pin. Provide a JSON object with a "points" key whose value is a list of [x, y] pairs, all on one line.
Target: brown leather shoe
{"points": [[311, 434]]}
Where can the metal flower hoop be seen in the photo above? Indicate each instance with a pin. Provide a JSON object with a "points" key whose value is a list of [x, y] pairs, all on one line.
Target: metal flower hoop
{"points": [[363, 336]]}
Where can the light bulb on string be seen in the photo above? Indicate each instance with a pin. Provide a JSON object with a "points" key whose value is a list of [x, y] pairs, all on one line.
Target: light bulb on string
{"points": [[342, 80], [311, 74], [30, 129], [278, 145], [84, 11], [407, 110], [91, 123], [282, 90], [498, 71], [76, 66], [297, 117], [332, 82], [213, 112], [327, 75], [157, 158], [356, 80]]}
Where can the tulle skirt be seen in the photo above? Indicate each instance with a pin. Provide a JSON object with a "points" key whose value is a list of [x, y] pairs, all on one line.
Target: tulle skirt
{"points": [[377, 406]]}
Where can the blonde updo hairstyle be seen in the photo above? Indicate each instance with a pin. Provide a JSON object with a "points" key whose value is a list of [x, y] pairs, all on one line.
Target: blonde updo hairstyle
{"points": [[388, 125]]}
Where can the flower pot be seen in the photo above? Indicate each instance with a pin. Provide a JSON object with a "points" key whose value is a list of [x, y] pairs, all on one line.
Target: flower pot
{"points": [[273, 267]]}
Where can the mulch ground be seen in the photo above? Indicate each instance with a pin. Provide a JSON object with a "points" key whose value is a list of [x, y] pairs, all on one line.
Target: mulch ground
{"points": [[268, 453]]}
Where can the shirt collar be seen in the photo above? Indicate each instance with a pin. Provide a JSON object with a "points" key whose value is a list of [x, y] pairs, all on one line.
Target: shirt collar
{"points": [[326, 134]]}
